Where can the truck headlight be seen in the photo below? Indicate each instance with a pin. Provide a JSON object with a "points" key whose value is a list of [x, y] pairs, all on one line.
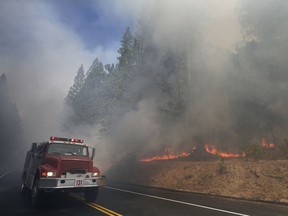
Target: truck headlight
{"points": [[94, 174], [50, 174]]}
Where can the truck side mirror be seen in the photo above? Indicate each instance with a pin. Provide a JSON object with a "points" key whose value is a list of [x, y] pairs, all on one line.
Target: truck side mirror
{"points": [[34, 146], [93, 153]]}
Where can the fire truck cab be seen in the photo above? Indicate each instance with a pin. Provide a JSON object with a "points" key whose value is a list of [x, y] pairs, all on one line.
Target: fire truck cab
{"points": [[60, 165]]}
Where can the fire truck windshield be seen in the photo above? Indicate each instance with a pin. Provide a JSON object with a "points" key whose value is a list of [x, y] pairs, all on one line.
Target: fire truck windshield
{"points": [[68, 149]]}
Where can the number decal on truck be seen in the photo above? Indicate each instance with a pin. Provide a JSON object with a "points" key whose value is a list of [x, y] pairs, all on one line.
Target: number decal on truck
{"points": [[78, 183]]}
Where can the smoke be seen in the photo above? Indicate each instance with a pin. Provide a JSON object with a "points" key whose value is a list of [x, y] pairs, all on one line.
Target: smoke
{"points": [[230, 81], [234, 85], [40, 56], [196, 31]]}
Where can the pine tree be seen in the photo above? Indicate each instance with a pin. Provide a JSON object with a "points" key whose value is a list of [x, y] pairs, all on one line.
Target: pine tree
{"points": [[91, 104], [95, 76], [126, 67], [110, 68], [125, 59], [75, 89]]}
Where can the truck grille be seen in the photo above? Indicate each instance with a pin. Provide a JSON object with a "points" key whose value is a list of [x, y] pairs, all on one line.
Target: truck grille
{"points": [[74, 167], [77, 171]]}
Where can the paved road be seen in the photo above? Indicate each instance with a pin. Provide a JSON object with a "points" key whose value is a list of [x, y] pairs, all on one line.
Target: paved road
{"points": [[123, 199]]}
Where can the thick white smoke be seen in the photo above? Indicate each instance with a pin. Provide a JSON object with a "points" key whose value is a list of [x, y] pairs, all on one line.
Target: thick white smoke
{"points": [[40, 56]]}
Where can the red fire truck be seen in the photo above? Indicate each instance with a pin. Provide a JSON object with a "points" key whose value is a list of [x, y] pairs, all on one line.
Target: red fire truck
{"points": [[60, 165]]}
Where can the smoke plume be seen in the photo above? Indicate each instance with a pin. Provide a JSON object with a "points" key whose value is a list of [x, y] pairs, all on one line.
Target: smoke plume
{"points": [[234, 81]]}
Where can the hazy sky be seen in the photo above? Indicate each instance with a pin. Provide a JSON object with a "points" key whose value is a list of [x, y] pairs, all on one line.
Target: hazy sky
{"points": [[97, 23]]}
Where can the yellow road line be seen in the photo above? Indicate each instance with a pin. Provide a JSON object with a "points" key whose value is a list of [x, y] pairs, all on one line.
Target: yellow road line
{"points": [[108, 210], [99, 209], [91, 205], [96, 206]]}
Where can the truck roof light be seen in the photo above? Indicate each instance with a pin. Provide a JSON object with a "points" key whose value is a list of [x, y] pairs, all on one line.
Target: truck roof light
{"points": [[66, 139]]}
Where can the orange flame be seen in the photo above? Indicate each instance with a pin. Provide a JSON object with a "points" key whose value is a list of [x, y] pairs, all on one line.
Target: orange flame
{"points": [[265, 144], [168, 156], [211, 149]]}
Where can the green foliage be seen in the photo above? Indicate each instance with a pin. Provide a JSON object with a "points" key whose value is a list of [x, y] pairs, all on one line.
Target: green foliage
{"points": [[104, 90], [94, 77], [126, 69], [126, 58], [110, 68], [85, 97], [105, 93], [92, 106], [177, 81], [74, 91]]}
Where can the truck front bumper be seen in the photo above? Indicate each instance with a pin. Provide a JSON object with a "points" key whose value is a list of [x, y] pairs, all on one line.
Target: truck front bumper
{"points": [[71, 183]]}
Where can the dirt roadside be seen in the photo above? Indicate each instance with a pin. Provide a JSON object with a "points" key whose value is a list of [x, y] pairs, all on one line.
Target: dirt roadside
{"points": [[265, 180]]}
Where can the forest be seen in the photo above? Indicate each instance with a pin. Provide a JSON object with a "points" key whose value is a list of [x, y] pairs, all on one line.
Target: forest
{"points": [[171, 88]]}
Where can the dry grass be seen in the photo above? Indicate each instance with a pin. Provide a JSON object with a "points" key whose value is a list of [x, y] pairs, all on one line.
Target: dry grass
{"points": [[259, 180]]}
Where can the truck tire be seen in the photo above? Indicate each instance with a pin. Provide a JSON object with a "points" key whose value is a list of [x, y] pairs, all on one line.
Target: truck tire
{"points": [[24, 188], [36, 195], [91, 194]]}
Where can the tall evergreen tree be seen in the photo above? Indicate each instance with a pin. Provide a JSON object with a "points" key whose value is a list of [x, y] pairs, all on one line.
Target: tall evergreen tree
{"points": [[126, 65], [75, 89], [91, 103], [95, 76], [126, 51]]}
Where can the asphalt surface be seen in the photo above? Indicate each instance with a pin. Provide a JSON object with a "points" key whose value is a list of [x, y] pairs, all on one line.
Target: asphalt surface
{"points": [[125, 199]]}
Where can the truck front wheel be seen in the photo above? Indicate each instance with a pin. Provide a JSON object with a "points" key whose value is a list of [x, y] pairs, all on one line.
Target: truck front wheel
{"points": [[36, 195], [24, 188], [91, 194]]}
